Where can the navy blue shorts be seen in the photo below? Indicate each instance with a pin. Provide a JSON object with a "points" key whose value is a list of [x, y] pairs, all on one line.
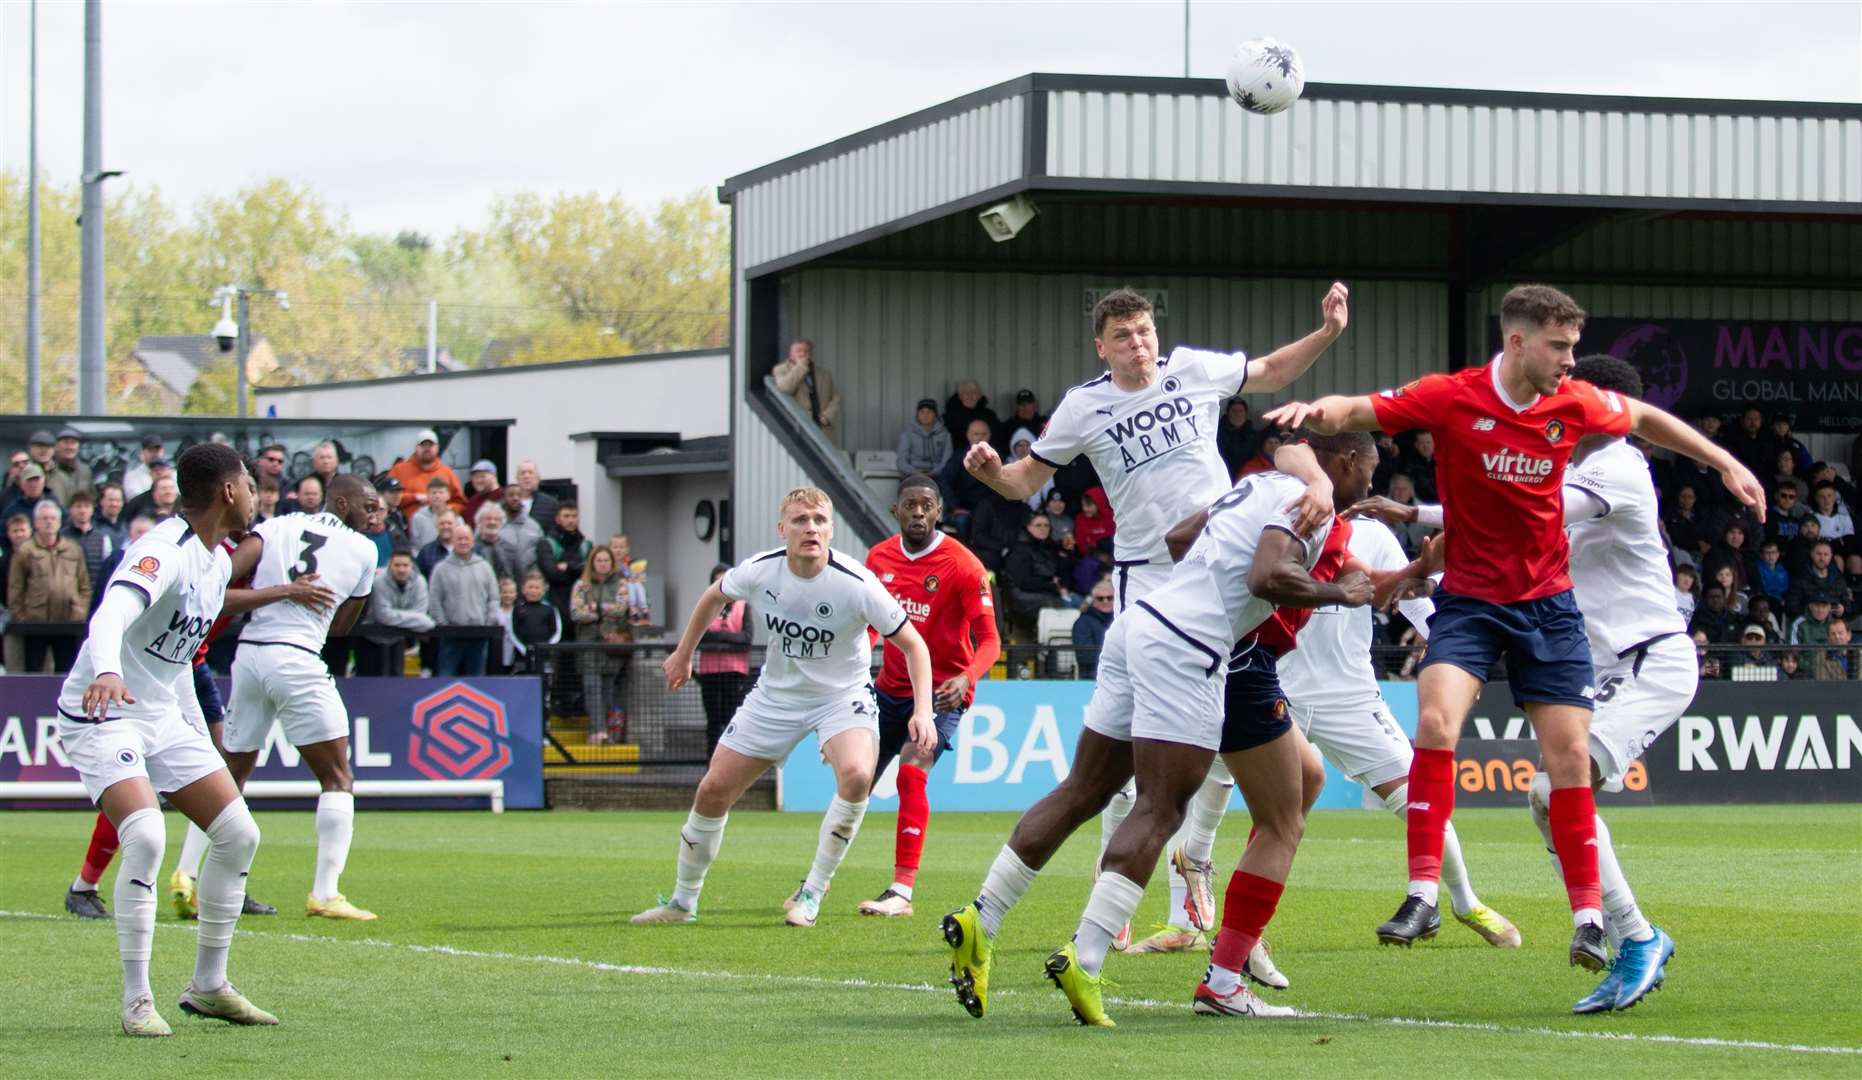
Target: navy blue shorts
{"points": [[1547, 655], [209, 693], [895, 719], [1254, 711]]}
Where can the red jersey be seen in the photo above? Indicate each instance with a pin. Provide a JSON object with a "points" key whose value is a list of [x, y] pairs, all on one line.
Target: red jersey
{"points": [[945, 592], [1500, 469], [1281, 630], [219, 624]]}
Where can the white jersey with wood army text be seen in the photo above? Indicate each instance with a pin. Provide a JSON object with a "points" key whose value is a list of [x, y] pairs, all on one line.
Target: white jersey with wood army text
{"points": [[1619, 565], [818, 644], [299, 544], [1154, 449], [1206, 600], [184, 583], [1331, 667]]}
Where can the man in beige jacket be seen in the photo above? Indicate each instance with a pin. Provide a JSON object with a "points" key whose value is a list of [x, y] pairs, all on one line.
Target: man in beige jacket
{"points": [[48, 583], [811, 386]]}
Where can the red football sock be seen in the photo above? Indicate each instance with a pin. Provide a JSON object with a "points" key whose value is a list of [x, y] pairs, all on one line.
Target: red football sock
{"points": [[103, 849], [1431, 803], [914, 815], [1246, 909], [1574, 837]]}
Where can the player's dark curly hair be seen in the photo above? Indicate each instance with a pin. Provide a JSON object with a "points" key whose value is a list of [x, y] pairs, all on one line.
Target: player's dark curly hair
{"points": [[1121, 303], [1340, 444], [919, 480], [202, 469], [1606, 372]]}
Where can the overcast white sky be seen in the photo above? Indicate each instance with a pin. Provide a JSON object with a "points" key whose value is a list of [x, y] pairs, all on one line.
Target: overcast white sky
{"points": [[414, 115]]}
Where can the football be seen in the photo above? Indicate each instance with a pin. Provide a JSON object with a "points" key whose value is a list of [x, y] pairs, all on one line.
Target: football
{"points": [[1265, 76]]}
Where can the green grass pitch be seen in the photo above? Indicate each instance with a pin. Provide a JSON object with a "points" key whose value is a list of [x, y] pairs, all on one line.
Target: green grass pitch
{"points": [[503, 950]]}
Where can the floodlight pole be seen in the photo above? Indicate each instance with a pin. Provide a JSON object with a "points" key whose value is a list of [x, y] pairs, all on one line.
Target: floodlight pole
{"points": [[34, 390], [91, 396], [1186, 38]]}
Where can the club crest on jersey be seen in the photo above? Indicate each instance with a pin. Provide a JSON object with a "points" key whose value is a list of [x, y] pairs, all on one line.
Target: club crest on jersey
{"points": [[1554, 431], [824, 610], [1172, 384], [127, 757], [930, 582], [148, 566], [887, 576]]}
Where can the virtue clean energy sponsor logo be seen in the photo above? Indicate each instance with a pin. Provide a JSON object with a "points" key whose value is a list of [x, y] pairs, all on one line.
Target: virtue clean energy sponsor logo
{"points": [[1513, 467]]}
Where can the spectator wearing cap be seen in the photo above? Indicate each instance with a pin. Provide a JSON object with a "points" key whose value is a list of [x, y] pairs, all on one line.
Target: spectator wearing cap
{"points": [[924, 446], [809, 383], [539, 504], [140, 477], [31, 492], [1753, 662], [96, 541], [65, 476], [143, 505], [270, 463], [422, 466], [47, 582], [422, 527], [481, 488], [1026, 415], [965, 407], [39, 448]]}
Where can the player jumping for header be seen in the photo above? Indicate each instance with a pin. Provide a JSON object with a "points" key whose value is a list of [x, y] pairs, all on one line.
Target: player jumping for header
{"points": [[1503, 434]]}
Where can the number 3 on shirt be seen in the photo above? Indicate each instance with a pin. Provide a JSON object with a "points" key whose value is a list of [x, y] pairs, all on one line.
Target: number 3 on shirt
{"points": [[307, 559]]}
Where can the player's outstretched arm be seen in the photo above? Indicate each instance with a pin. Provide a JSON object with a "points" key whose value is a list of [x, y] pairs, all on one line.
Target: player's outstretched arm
{"points": [[1279, 368], [1315, 503], [1016, 481], [923, 725], [678, 666], [1182, 536], [1278, 576], [1327, 416], [1669, 433]]}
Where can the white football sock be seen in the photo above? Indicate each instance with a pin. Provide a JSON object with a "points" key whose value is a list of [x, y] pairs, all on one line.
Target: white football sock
{"points": [[1204, 816], [1114, 901], [220, 891], [336, 826], [1007, 880], [1115, 814], [1429, 891], [838, 828], [1626, 921], [78, 884], [1179, 888], [193, 850], [140, 840], [902, 889], [1454, 868], [1222, 980], [699, 841]]}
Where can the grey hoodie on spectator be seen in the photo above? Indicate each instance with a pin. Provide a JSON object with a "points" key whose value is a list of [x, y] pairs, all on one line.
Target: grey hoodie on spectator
{"points": [[520, 535], [463, 592], [923, 451], [401, 607]]}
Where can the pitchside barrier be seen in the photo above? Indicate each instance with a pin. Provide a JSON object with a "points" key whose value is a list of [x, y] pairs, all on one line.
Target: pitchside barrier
{"points": [[1796, 741], [443, 742]]}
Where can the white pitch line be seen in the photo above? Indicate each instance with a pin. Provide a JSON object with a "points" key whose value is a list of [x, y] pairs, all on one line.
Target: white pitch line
{"points": [[928, 988]]}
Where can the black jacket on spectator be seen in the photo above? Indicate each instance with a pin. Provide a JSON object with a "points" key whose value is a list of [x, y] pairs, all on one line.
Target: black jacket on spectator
{"points": [[1007, 428], [535, 623], [1236, 444], [1807, 584], [1032, 566], [543, 508], [961, 490], [1685, 531], [1422, 471], [1090, 630], [1749, 449], [994, 528], [557, 546], [957, 421], [429, 556], [97, 545], [1721, 627]]}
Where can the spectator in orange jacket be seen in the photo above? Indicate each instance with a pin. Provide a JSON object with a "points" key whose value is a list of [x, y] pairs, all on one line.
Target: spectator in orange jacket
{"points": [[423, 465]]}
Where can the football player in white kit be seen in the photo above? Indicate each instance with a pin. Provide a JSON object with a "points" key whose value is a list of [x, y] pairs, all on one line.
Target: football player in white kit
{"points": [[1148, 425], [279, 677], [124, 730], [1332, 688], [1644, 661], [816, 604], [1158, 710]]}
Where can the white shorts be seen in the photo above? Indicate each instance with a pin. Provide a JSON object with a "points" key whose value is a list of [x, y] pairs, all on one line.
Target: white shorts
{"points": [[1168, 695], [1135, 582], [1361, 739], [287, 685], [769, 730], [1639, 696], [172, 752]]}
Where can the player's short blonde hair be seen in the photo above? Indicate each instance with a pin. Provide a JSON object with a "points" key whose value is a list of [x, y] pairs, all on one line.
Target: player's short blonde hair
{"points": [[806, 496]]}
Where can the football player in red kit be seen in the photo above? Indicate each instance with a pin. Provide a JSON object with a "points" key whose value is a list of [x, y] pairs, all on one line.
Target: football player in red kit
{"points": [[945, 591]]}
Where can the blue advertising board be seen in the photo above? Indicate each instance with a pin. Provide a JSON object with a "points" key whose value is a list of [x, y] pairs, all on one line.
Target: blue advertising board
{"points": [[1016, 743], [400, 729]]}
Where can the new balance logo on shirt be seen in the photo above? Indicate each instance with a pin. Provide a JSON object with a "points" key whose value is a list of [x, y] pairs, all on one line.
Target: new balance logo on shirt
{"points": [[1514, 467], [1485, 423]]}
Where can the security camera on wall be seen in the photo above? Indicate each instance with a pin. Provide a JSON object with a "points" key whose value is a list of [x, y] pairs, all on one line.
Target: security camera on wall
{"points": [[1006, 219]]}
